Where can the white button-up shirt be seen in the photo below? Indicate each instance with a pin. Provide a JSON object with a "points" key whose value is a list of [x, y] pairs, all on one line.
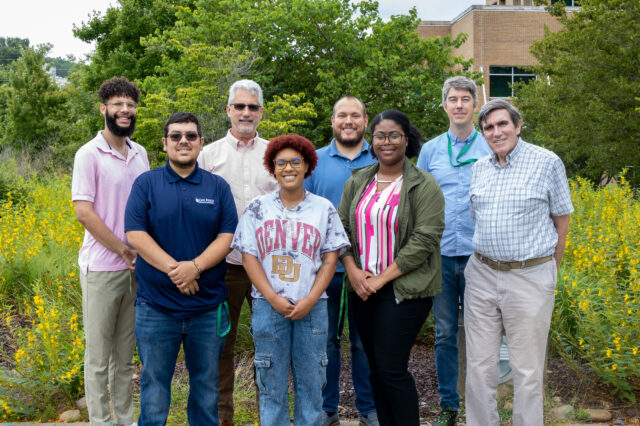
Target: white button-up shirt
{"points": [[241, 165]]}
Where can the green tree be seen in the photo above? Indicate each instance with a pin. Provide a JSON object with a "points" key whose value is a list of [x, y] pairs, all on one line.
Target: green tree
{"points": [[324, 49], [11, 49], [35, 107], [584, 105], [118, 35]]}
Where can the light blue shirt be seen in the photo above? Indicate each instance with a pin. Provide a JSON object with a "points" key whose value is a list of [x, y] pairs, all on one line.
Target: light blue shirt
{"points": [[454, 182], [333, 171]]}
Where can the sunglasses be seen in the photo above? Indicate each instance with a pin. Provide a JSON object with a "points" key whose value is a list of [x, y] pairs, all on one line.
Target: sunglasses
{"points": [[241, 107], [190, 136]]}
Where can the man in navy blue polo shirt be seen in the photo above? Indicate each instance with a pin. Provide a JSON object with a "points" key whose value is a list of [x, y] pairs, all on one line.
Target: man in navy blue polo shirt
{"points": [[347, 151], [181, 220]]}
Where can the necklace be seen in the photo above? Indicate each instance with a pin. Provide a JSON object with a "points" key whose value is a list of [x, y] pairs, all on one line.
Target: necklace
{"points": [[385, 181]]}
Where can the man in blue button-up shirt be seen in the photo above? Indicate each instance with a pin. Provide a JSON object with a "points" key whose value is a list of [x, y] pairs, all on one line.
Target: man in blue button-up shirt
{"points": [[181, 220], [449, 158], [347, 151]]}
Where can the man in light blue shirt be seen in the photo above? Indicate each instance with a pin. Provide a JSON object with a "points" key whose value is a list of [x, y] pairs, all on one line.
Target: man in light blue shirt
{"points": [[347, 151], [449, 158]]}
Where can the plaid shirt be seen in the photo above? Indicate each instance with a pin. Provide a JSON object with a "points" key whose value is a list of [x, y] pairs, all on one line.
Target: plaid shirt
{"points": [[512, 205]]}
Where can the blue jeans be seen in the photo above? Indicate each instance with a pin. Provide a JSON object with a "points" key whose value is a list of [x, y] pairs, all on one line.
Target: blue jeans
{"points": [[279, 344], [445, 311], [159, 337], [359, 363]]}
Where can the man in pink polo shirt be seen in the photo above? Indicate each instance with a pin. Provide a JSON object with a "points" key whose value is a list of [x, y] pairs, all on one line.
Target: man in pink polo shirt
{"points": [[103, 172]]}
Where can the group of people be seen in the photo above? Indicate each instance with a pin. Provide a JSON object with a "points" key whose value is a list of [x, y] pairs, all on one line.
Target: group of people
{"points": [[354, 231]]}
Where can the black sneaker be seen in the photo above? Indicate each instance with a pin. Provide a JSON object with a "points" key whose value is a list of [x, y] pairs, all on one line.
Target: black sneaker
{"points": [[447, 417]]}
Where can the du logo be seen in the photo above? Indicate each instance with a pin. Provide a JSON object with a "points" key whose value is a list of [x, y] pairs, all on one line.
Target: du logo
{"points": [[284, 267]]}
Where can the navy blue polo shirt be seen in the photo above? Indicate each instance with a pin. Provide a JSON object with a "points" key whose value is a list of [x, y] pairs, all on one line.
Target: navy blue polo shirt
{"points": [[333, 171], [184, 216]]}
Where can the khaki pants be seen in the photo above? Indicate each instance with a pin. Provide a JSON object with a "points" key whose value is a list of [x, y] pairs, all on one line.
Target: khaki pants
{"points": [[109, 318], [520, 302], [239, 287]]}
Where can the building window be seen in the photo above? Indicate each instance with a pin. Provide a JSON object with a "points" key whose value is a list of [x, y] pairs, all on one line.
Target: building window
{"points": [[501, 80], [568, 3]]}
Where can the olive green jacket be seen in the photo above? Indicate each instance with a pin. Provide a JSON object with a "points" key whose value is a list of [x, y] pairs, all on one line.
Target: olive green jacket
{"points": [[420, 226]]}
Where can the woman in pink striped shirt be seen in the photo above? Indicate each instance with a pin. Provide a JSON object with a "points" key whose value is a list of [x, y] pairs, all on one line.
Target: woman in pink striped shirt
{"points": [[394, 215]]}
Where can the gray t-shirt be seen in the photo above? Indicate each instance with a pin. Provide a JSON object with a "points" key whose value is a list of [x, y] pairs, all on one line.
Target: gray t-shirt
{"points": [[289, 243]]}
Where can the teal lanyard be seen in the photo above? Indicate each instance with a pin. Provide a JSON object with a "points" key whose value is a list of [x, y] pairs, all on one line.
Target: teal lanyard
{"points": [[226, 331], [464, 151]]}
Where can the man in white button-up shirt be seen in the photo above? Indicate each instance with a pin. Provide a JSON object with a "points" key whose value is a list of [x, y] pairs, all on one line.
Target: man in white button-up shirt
{"points": [[238, 159]]}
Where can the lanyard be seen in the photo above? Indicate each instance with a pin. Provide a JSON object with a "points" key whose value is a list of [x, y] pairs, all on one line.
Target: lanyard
{"points": [[464, 150]]}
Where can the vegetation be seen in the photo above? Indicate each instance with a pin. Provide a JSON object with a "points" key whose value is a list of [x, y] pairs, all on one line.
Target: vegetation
{"points": [[597, 313], [585, 104]]}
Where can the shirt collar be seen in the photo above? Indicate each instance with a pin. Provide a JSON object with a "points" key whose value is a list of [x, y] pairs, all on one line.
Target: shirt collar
{"points": [[104, 146], [235, 142], [172, 177], [454, 139], [297, 208], [333, 149], [510, 156]]}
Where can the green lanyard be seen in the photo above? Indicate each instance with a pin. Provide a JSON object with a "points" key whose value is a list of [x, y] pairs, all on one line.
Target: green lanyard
{"points": [[464, 150], [220, 332]]}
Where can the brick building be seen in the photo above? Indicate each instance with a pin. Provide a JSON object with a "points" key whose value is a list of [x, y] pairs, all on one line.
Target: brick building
{"points": [[499, 36]]}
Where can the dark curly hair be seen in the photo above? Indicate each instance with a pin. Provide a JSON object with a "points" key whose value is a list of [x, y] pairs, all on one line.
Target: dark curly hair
{"points": [[118, 86], [412, 133], [299, 143]]}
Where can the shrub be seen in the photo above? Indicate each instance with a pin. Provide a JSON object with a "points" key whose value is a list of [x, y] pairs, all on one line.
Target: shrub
{"points": [[597, 312]]}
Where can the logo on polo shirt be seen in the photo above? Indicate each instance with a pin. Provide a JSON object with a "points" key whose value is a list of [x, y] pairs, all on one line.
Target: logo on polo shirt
{"points": [[205, 201]]}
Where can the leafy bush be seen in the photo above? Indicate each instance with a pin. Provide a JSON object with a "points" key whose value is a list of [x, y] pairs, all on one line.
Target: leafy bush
{"points": [[597, 313]]}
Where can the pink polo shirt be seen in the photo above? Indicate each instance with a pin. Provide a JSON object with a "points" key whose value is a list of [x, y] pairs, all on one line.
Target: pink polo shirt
{"points": [[104, 177]]}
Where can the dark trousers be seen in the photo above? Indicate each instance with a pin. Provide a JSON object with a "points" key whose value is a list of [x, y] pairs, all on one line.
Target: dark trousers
{"points": [[388, 330]]}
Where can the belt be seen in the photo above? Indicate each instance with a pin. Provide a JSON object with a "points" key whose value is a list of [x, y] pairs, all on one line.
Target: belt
{"points": [[507, 266]]}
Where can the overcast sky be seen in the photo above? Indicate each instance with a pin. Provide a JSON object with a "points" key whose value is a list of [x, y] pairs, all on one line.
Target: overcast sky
{"points": [[48, 21]]}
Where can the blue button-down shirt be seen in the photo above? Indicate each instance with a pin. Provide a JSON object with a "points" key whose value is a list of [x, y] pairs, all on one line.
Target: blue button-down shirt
{"points": [[184, 216], [454, 182], [333, 171]]}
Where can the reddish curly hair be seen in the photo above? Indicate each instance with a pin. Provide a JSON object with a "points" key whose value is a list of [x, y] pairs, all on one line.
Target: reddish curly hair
{"points": [[299, 143]]}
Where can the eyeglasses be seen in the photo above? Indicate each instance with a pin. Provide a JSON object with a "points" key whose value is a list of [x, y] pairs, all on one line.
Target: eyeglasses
{"points": [[394, 138], [120, 104], [296, 163], [190, 136], [241, 107]]}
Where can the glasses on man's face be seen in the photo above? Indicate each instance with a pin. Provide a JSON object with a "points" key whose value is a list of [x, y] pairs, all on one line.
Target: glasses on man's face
{"points": [[122, 104], [394, 138], [177, 137], [295, 163], [241, 107]]}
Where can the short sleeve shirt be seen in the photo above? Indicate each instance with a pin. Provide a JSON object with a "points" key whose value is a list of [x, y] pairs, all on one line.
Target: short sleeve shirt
{"points": [[102, 176], [289, 243], [184, 216], [512, 204]]}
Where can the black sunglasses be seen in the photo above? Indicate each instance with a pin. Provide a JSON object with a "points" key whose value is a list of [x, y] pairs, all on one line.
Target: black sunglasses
{"points": [[241, 107], [177, 137]]}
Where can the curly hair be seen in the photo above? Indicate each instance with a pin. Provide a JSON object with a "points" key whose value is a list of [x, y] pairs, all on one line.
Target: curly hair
{"points": [[296, 142], [118, 86]]}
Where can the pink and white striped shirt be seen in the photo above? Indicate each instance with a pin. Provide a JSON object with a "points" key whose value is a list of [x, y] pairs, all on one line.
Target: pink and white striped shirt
{"points": [[377, 224]]}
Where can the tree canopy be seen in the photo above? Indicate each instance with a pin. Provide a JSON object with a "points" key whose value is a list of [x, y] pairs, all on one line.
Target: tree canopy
{"points": [[585, 104], [319, 50]]}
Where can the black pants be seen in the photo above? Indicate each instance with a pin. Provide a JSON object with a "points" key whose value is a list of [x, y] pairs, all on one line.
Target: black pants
{"points": [[388, 330]]}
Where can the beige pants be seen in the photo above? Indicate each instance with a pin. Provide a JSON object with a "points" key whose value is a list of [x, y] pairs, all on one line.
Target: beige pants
{"points": [[520, 302], [109, 319]]}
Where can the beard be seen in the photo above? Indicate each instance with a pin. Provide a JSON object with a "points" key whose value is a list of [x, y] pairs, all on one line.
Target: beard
{"points": [[348, 142], [117, 130]]}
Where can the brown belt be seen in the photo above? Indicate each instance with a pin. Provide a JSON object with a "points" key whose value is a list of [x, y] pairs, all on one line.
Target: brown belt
{"points": [[507, 266]]}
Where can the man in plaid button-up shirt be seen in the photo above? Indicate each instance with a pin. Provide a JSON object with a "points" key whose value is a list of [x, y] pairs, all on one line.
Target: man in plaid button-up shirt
{"points": [[520, 203]]}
